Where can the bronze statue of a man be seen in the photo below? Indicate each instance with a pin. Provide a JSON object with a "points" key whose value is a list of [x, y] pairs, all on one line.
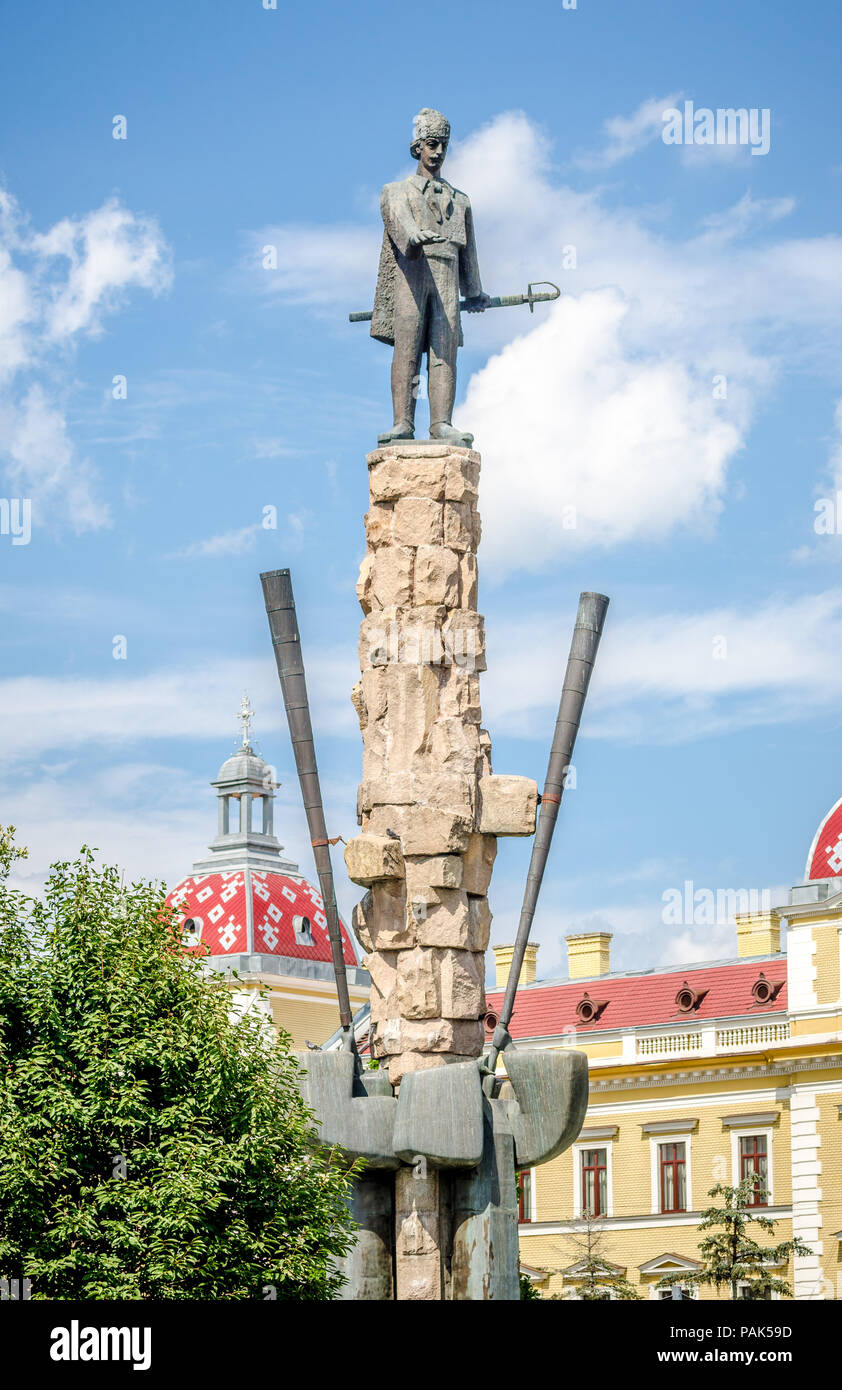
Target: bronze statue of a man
{"points": [[428, 257]]}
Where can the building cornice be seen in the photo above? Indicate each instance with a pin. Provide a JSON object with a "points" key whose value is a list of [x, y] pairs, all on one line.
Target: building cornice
{"points": [[279, 972], [708, 1075], [646, 1220]]}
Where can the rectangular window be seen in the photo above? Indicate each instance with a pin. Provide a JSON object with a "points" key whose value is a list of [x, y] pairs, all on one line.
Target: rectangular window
{"points": [[754, 1160], [744, 1291], [673, 1177], [524, 1201], [594, 1182]]}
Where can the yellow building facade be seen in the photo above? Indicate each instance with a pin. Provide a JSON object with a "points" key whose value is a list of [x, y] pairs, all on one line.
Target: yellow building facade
{"points": [[698, 1076]]}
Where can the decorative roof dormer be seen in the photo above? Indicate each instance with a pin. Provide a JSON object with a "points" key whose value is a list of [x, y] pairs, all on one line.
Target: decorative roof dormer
{"points": [[763, 991], [588, 1010], [689, 999]]}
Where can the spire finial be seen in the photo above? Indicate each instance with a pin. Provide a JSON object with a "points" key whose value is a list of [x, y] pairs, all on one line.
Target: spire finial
{"points": [[245, 714]]}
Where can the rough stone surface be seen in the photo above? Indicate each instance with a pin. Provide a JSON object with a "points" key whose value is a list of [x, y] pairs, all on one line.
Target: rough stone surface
{"points": [[383, 996], [508, 805], [391, 575], [370, 858], [392, 476], [461, 984], [428, 805], [423, 829], [418, 521], [418, 1270], [419, 984], [436, 576], [444, 919], [478, 863], [433, 871]]}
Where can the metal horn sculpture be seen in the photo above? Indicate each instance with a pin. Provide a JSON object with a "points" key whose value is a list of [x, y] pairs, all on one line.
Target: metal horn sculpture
{"points": [[283, 625], [583, 649]]}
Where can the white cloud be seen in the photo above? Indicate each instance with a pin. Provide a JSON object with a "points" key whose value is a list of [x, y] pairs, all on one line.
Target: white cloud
{"points": [[649, 318], [56, 288], [746, 215], [146, 818], [152, 819], [318, 266], [835, 461], [659, 323], [657, 679], [271, 448], [228, 543], [108, 251], [675, 677], [625, 135], [592, 436], [827, 506], [701, 157], [244, 539], [69, 713], [640, 939], [41, 463]]}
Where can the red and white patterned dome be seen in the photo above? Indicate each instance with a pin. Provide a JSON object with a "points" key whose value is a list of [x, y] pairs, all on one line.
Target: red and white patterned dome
{"points": [[825, 857], [244, 899], [287, 915]]}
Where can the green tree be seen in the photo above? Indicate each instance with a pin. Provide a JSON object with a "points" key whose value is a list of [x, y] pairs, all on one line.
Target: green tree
{"points": [[730, 1254], [151, 1145], [528, 1291], [596, 1278]]}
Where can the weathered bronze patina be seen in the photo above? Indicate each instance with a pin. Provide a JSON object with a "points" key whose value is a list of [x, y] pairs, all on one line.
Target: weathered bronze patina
{"points": [[428, 256]]}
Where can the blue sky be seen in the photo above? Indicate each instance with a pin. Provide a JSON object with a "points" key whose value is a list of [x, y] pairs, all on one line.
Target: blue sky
{"points": [[711, 745]]}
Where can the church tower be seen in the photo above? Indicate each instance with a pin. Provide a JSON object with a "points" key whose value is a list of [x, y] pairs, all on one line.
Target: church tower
{"points": [[254, 913], [245, 792]]}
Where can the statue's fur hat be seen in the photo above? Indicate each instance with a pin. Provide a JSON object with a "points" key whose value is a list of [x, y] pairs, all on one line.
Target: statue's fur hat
{"points": [[428, 123]]}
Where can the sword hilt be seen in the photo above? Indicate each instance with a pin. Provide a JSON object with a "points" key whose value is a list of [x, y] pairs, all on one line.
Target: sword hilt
{"points": [[532, 299]]}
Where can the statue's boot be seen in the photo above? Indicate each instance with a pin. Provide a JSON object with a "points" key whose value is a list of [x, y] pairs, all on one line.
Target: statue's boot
{"points": [[404, 429], [450, 434]]}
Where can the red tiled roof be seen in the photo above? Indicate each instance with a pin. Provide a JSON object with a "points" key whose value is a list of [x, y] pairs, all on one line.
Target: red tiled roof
{"points": [[216, 905], [545, 1010]]}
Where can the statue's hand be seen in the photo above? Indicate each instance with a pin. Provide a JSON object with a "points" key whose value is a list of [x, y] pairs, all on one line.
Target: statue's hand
{"points": [[420, 238], [477, 303]]}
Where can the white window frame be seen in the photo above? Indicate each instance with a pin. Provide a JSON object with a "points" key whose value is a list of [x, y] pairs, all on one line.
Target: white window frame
{"points": [[578, 1150], [655, 1292], [576, 1297], [744, 1283], [655, 1142], [748, 1133]]}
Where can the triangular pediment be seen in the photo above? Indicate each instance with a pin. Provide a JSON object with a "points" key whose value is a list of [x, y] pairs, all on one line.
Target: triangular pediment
{"points": [[670, 1263], [581, 1268]]}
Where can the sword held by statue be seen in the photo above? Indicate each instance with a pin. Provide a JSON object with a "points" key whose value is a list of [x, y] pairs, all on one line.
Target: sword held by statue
{"points": [[498, 301]]}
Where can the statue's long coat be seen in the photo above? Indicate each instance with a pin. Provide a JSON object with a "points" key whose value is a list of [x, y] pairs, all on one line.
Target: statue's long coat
{"points": [[405, 209]]}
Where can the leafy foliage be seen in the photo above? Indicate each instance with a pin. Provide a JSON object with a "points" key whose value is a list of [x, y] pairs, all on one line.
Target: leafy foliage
{"points": [[597, 1280], [151, 1145], [528, 1291], [731, 1256]]}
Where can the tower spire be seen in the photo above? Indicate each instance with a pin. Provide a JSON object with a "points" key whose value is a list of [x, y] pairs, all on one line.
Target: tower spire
{"points": [[245, 788], [245, 715]]}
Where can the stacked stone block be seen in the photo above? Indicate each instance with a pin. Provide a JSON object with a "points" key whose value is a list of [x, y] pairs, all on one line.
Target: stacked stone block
{"points": [[429, 805]]}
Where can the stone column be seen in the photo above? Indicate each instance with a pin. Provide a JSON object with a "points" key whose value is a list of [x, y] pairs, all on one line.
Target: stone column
{"points": [[418, 1243], [428, 805]]}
